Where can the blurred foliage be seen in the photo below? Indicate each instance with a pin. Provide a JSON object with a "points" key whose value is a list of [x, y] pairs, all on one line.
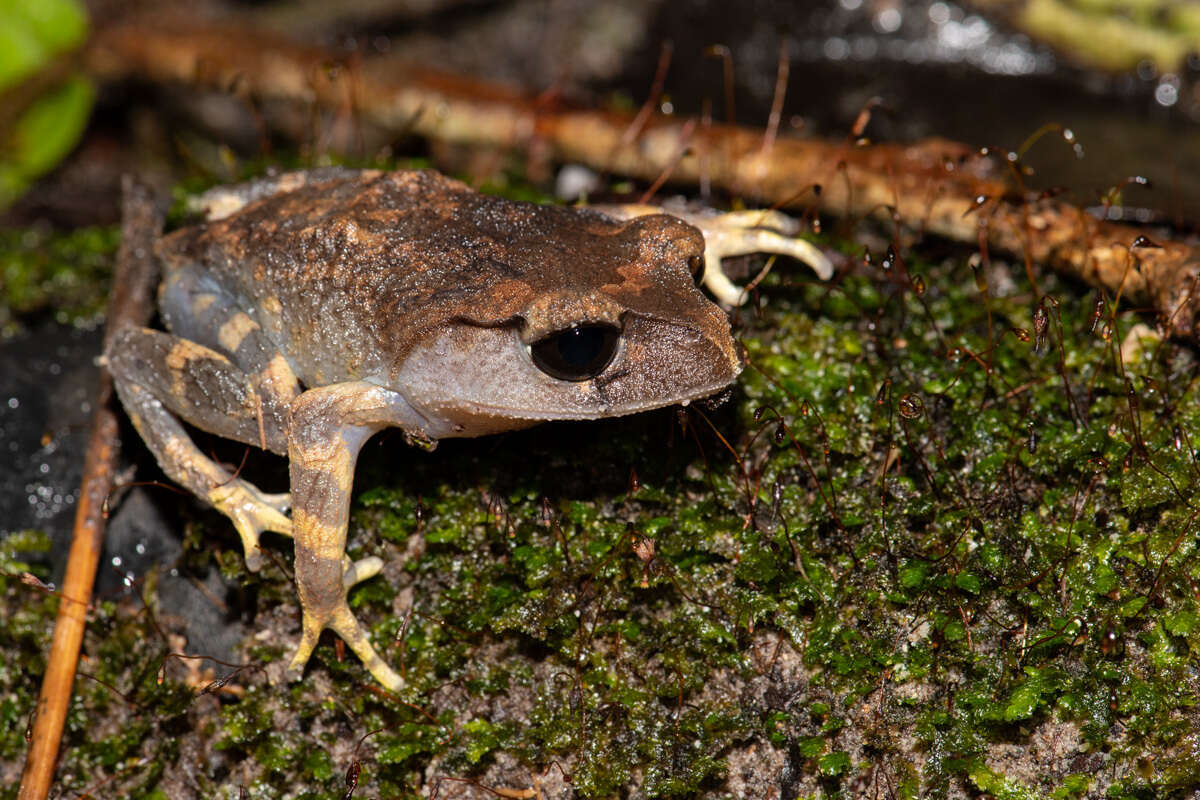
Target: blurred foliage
{"points": [[1109, 34], [64, 274], [44, 100]]}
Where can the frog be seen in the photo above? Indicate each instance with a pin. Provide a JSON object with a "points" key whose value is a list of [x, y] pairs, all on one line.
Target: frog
{"points": [[307, 311]]}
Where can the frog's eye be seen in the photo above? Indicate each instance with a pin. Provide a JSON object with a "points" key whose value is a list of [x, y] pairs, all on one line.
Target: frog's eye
{"points": [[696, 267], [578, 353]]}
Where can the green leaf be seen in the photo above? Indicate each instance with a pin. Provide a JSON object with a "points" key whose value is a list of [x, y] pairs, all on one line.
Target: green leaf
{"points": [[996, 785], [51, 127], [811, 746], [912, 574], [318, 764], [967, 582], [33, 31], [1132, 606], [834, 764], [954, 631], [1075, 785], [1024, 699], [1182, 622]]}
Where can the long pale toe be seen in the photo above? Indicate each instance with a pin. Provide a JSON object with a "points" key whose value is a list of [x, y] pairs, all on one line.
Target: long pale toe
{"points": [[343, 623], [252, 512], [737, 233], [359, 571]]}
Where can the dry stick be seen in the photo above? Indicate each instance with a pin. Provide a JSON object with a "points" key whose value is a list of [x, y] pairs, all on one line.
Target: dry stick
{"points": [[934, 185], [130, 303]]}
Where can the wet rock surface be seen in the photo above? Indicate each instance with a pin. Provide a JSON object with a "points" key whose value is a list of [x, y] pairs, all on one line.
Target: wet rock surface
{"points": [[46, 403]]}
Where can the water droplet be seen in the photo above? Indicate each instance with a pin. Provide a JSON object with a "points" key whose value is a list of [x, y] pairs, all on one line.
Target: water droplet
{"points": [[889, 259], [1022, 334], [780, 433], [888, 19], [1069, 137], [1167, 92], [918, 285], [884, 393]]}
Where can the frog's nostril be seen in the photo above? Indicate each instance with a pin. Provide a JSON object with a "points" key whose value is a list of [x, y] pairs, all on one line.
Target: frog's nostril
{"points": [[577, 353]]}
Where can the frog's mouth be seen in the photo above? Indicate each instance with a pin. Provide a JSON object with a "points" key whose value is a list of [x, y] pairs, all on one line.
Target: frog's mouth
{"points": [[473, 380]]}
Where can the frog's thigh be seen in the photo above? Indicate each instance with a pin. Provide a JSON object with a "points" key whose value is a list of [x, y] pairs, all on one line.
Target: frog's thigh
{"points": [[198, 384], [159, 376], [199, 310], [329, 426]]}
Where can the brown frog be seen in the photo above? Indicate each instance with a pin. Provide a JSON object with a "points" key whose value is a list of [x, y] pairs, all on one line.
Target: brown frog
{"points": [[313, 309]]}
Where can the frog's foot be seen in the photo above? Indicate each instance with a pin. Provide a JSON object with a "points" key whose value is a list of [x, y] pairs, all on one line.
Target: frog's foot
{"points": [[252, 512], [341, 621], [738, 233]]}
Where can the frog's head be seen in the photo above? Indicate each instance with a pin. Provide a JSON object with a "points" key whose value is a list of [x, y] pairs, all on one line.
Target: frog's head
{"points": [[593, 319]]}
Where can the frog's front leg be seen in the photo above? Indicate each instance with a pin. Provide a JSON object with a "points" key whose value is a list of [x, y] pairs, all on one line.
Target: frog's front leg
{"points": [[329, 426], [737, 233]]}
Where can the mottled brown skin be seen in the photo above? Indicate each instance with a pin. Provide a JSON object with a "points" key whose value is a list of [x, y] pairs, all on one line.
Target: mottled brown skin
{"points": [[314, 309]]}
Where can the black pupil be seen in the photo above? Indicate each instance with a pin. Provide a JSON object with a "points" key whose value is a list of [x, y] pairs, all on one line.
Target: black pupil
{"points": [[576, 354]]}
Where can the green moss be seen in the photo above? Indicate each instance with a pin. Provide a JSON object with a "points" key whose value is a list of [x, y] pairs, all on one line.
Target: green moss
{"points": [[915, 526], [44, 272]]}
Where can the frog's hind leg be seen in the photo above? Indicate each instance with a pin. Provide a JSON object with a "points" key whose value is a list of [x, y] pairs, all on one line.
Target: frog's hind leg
{"points": [[196, 308], [161, 378], [329, 426]]}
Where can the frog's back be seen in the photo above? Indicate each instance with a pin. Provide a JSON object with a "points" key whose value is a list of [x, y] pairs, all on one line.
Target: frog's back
{"points": [[344, 276]]}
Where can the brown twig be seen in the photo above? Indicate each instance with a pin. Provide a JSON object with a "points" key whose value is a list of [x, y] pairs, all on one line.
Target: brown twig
{"points": [[130, 303], [934, 186]]}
